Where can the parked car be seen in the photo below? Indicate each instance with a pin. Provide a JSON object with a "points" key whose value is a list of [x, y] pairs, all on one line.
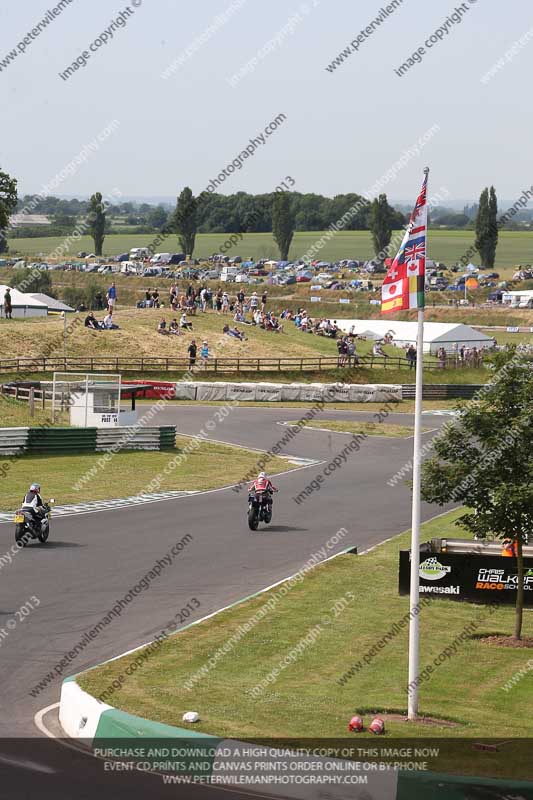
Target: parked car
{"points": [[82, 254], [122, 257]]}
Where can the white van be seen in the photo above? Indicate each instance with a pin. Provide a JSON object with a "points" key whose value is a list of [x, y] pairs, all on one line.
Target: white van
{"points": [[229, 274], [161, 258], [139, 252], [129, 268]]}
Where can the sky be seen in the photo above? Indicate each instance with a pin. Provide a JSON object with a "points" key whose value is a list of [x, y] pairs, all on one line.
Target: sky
{"points": [[170, 95]]}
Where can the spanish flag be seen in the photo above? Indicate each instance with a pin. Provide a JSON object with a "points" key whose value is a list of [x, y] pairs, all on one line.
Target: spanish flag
{"points": [[403, 287]]}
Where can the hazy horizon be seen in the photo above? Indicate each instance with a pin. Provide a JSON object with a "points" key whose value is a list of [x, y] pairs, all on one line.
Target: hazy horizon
{"points": [[168, 97]]}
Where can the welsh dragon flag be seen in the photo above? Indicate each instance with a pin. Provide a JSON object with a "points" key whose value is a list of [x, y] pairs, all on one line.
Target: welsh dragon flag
{"points": [[403, 287]]}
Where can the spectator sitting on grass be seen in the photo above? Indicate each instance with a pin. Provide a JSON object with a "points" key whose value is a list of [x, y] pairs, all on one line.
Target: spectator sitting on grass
{"points": [[108, 323], [184, 323], [174, 327], [377, 350], [274, 324], [92, 322], [162, 327], [191, 306], [235, 332]]}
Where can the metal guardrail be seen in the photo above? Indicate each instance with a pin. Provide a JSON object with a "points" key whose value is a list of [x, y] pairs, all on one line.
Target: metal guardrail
{"points": [[13, 441], [213, 365], [55, 440], [61, 440], [134, 438], [442, 391]]}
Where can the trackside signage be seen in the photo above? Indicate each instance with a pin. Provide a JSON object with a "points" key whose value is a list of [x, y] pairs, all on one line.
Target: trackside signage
{"points": [[467, 576]]}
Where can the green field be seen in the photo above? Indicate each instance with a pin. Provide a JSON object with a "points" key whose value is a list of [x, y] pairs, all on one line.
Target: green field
{"points": [[515, 247], [309, 694]]}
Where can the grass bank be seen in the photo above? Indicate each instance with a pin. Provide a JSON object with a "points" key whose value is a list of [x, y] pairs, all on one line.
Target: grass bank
{"points": [[309, 694]]}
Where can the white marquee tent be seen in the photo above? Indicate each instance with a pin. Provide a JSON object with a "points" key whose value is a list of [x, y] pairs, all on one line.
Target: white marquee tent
{"points": [[449, 335], [23, 305]]}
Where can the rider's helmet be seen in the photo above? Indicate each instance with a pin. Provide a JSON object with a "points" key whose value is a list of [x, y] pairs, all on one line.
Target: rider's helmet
{"points": [[261, 482], [35, 487]]}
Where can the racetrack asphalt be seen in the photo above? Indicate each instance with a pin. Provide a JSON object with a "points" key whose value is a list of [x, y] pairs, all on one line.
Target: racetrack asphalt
{"points": [[92, 560]]}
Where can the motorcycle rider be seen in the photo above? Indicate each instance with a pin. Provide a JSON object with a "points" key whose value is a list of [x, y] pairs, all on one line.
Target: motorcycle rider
{"points": [[264, 485], [33, 503]]}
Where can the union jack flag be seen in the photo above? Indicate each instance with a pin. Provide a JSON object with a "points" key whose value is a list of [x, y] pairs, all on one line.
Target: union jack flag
{"points": [[415, 252]]}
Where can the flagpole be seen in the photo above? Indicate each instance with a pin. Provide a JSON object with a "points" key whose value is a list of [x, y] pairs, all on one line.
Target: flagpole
{"points": [[412, 706]]}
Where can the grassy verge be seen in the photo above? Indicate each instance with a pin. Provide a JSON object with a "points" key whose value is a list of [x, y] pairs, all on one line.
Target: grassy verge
{"points": [[59, 474], [368, 428], [16, 414], [307, 696]]}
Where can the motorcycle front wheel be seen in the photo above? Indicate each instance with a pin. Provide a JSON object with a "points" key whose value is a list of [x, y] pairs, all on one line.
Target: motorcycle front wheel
{"points": [[253, 521], [43, 535]]}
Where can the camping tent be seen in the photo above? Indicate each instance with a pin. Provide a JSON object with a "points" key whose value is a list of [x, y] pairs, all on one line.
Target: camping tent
{"points": [[449, 335], [24, 305]]}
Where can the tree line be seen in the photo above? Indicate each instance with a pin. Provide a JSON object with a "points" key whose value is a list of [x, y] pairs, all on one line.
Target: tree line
{"points": [[280, 213]]}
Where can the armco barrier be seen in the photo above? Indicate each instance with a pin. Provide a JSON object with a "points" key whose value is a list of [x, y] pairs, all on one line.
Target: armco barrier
{"points": [[443, 391], [13, 441], [167, 437], [62, 440], [136, 438], [17, 441]]}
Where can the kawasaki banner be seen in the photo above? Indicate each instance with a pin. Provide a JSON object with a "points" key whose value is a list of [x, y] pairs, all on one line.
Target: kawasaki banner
{"points": [[467, 576]]}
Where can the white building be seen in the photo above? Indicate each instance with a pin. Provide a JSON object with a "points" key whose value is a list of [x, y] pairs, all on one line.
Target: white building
{"points": [[449, 335], [518, 299]]}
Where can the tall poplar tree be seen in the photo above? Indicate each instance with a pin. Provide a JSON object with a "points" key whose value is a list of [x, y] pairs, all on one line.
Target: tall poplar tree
{"points": [[283, 223]]}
